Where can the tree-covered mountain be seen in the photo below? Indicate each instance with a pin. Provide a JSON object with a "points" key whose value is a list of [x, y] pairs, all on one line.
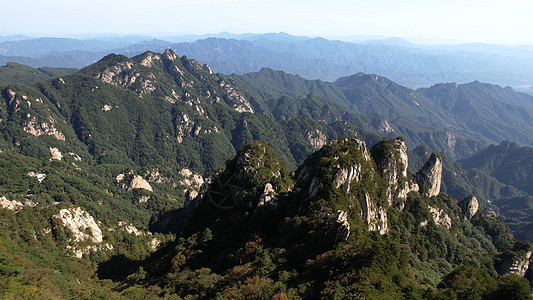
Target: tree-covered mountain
{"points": [[342, 226], [102, 192], [511, 165], [314, 58], [13, 73], [457, 120]]}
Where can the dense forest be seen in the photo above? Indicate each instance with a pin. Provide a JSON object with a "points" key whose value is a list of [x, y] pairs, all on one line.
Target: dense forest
{"points": [[153, 176]]}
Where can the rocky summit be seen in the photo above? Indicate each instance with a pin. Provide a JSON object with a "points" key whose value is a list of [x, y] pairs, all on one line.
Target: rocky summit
{"points": [[152, 176]]}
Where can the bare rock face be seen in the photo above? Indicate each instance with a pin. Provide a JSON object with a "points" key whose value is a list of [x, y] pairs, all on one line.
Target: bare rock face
{"points": [[518, 265], [343, 177], [56, 155], [139, 183], [84, 229], [268, 197], [340, 229], [392, 164], [82, 225], [192, 181], [430, 175], [470, 207], [316, 138], [10, 205], [235, 99], [374, 216], [489, 212], [441, 218]]}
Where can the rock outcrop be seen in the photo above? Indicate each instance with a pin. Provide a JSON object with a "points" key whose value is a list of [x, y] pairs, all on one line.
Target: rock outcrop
{"points": [[10, 204], [56, 155], [470, 207], [340, 229], [341, 165], [268, 197], [130, 182], [82, 225], [374, 216], [490, 212], [392, 162], [84, 229], [516, 265], [440, 217], [192, 181], [139, 183], [430, 176], [343, 177]]}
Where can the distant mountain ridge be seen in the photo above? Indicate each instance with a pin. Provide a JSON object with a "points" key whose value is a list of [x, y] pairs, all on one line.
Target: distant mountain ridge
{"points": [[455, 119], [314, 58]]}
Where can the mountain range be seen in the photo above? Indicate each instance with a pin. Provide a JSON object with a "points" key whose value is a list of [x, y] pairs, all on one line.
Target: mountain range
{"points": [[314, 58], [153, 176]]}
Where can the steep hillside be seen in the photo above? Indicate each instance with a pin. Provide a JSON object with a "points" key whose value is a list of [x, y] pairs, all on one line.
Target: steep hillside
{"points": [[101, 169], [511, 165], [150, 109], [491, 111], [13, 73], [507, 162], [422, 116], [350, 222]]}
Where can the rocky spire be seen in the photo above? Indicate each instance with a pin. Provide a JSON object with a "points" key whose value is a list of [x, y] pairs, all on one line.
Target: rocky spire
{"points": [[430, 175], [470, 206], [392, 162], [340, 229]]}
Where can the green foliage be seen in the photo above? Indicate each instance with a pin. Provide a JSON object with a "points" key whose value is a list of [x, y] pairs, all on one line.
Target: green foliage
{"points": [[14, 73]]}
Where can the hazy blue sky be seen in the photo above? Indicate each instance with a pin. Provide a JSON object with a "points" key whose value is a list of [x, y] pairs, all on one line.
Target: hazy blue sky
{"points": [[493, 21]]}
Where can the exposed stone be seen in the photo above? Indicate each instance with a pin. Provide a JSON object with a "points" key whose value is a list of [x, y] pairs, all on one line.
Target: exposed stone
{"points": [[192, 181], [235, 99], [344, 176], [82, 225], [75, 156], [10, 205], [36, 128], [393, 167], [144, 199], [440, 217], [317, 139], [149, 59], [110, 73], [268, 197], [517, 265], [107, 107], [139, 183], [470, 207], [385, 127], [169, 54], [40, 176], [375, 217], [122, 74], [154, 244], [56, 155], [430, 176], [340, 229], [129, 228], [489, 212]]}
